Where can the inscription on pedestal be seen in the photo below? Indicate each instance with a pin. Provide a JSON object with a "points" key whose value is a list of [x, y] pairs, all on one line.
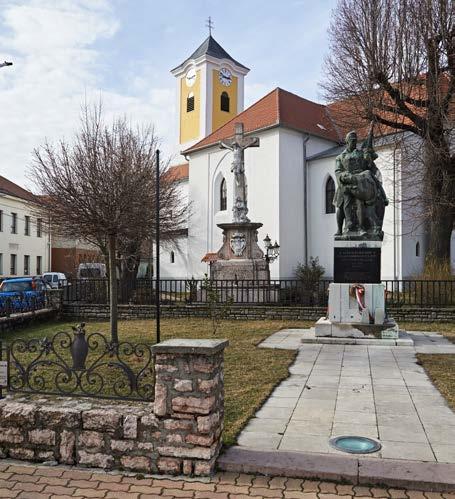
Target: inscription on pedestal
{"points": [[357, 265]]}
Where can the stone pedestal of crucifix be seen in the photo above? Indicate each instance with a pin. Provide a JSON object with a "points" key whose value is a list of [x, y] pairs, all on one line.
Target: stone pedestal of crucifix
{"points": [[240, 258]]}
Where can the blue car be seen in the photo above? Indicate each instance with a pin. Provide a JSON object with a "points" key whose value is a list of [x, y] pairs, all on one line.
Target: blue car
{"points": [[21, 294]]}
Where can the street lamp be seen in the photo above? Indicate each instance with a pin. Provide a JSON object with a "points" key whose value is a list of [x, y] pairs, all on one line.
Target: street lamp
{"points": [[5, 63], [272, 251]]}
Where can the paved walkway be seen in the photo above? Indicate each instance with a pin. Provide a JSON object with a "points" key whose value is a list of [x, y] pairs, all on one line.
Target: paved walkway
{"points": [[373, 391], [41, 482]]}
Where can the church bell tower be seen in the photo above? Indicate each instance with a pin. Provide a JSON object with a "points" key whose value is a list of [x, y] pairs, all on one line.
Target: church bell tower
{"points": [[210, 91]]}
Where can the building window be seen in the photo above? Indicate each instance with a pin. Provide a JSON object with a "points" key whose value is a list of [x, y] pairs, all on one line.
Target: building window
{"points": [[190, 102], [223, 195], [13, 223], [26, 264], [417, 248], [1, 220], [225, 102], [13, 264], [39, 260], [172, 257], [39, 227], [1, 264], [27, 226], [329, 195]]}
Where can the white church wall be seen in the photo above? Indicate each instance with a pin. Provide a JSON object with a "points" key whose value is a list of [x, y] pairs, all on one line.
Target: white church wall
{"points": [[321, 225], [291, 237], [291, 220]]}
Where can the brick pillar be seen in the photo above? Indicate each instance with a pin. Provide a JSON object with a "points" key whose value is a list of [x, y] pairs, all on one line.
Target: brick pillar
{"points": [[189, 402]]}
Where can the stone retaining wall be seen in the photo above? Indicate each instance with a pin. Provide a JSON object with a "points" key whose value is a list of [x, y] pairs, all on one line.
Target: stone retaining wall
{"points": [[180, 433], [16, 321], [246, 312]]}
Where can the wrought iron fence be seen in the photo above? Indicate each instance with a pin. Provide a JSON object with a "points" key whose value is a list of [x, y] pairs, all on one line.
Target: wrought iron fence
{"points": [[81, 365], [23, 302], [278, 292]]}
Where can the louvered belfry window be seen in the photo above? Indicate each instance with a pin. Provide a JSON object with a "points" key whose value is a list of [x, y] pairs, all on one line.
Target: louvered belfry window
{"points": [[225, 102], [190, 103]]}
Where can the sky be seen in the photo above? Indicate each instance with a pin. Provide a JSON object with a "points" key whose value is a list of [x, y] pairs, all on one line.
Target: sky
{"points": [[68, 52]]}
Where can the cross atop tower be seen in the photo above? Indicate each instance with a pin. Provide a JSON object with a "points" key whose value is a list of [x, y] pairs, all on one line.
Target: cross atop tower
{"points": [[209, 25]]}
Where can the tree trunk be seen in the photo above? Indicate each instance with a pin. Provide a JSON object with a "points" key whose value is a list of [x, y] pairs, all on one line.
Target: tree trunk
{"points": [[439, 191], [113, 288]]}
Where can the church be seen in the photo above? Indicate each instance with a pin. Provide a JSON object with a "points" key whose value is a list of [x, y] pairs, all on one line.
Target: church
{"points": [[290, 177]]}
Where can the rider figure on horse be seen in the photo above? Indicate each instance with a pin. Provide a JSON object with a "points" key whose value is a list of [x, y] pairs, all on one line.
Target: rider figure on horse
{"points": [[360, 198]]}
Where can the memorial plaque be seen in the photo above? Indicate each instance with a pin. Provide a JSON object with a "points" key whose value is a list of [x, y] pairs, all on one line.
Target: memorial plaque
{"points": [[357, 265], [3, 373]]}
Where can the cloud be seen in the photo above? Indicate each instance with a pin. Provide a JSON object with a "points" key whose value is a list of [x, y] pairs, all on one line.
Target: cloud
{"points": [[58, 65]]}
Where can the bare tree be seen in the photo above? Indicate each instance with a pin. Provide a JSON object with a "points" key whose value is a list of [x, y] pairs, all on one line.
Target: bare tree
{"points": [[101, 188], [393, 61]]}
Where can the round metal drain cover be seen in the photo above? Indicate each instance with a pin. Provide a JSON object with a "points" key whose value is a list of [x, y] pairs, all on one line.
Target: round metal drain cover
{"points": [[355, 445]]}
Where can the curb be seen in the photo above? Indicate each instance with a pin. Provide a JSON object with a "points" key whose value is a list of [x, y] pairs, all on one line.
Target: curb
{"points": [[400, 473]]}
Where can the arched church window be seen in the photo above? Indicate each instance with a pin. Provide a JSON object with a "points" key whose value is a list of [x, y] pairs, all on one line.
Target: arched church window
{"points": [[417, 248], [223, 195], [172, 255], [329, 195], [190, 102], [225, 102]]}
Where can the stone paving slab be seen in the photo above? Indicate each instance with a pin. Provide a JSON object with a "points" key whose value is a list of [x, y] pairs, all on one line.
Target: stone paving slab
{"points": [[376, 391], [31, 481]]}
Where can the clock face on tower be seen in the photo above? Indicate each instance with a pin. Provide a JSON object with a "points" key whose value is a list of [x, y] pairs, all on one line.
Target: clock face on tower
{"points": [[225, 77], [190, 77]]}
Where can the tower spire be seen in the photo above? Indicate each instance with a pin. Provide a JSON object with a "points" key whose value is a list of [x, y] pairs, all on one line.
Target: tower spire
{"points": [[209, 25]]}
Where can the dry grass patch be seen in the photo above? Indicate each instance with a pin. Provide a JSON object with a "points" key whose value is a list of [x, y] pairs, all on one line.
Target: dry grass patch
{"points": [[251, 373], [441, 370]]}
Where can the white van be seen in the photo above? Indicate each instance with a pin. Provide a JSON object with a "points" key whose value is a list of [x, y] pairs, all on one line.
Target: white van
{"points": [[91, 271], [55, 279]]}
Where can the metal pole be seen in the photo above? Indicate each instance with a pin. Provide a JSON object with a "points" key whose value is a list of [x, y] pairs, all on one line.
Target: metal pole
{"points": [[157, 245]]}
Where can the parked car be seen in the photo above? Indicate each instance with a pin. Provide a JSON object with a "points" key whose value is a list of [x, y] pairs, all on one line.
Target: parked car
{"points": [[55, 279], [91, 271], [22, 293]]}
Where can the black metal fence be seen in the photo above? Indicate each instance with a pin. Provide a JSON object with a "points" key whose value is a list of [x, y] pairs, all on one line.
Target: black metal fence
{"points": [[73, 364], [279, 292]]}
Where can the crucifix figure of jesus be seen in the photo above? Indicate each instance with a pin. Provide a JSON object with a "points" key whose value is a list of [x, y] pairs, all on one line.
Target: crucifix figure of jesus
{"points": [[237, 145]]}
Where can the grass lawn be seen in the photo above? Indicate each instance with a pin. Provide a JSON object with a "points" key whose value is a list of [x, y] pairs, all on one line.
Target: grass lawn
{"points": [[441, 370], [250, 372]]}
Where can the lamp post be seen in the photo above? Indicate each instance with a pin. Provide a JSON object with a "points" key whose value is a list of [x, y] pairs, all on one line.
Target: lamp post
{"points": [[5, 63], [272, 251]]}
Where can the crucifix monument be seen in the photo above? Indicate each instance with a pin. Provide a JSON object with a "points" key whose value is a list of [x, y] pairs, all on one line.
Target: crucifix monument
{"points": [[240, 257], [237, 145]]}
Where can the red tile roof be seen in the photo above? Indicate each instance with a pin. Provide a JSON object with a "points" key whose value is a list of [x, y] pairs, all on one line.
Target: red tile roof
{"points": [[12, 189], [178, 172], [278, 107]]}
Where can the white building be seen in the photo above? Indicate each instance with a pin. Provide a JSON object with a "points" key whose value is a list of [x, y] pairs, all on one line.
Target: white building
{"points": [[291, 176], [24, 240]]}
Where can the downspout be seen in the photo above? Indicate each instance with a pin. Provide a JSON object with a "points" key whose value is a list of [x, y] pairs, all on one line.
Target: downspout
{"points": [[394, 215], [305, 198]]}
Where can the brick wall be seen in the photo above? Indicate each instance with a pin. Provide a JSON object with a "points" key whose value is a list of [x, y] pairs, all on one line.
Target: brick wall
{"points": [[178, 433], [245, 312]]}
